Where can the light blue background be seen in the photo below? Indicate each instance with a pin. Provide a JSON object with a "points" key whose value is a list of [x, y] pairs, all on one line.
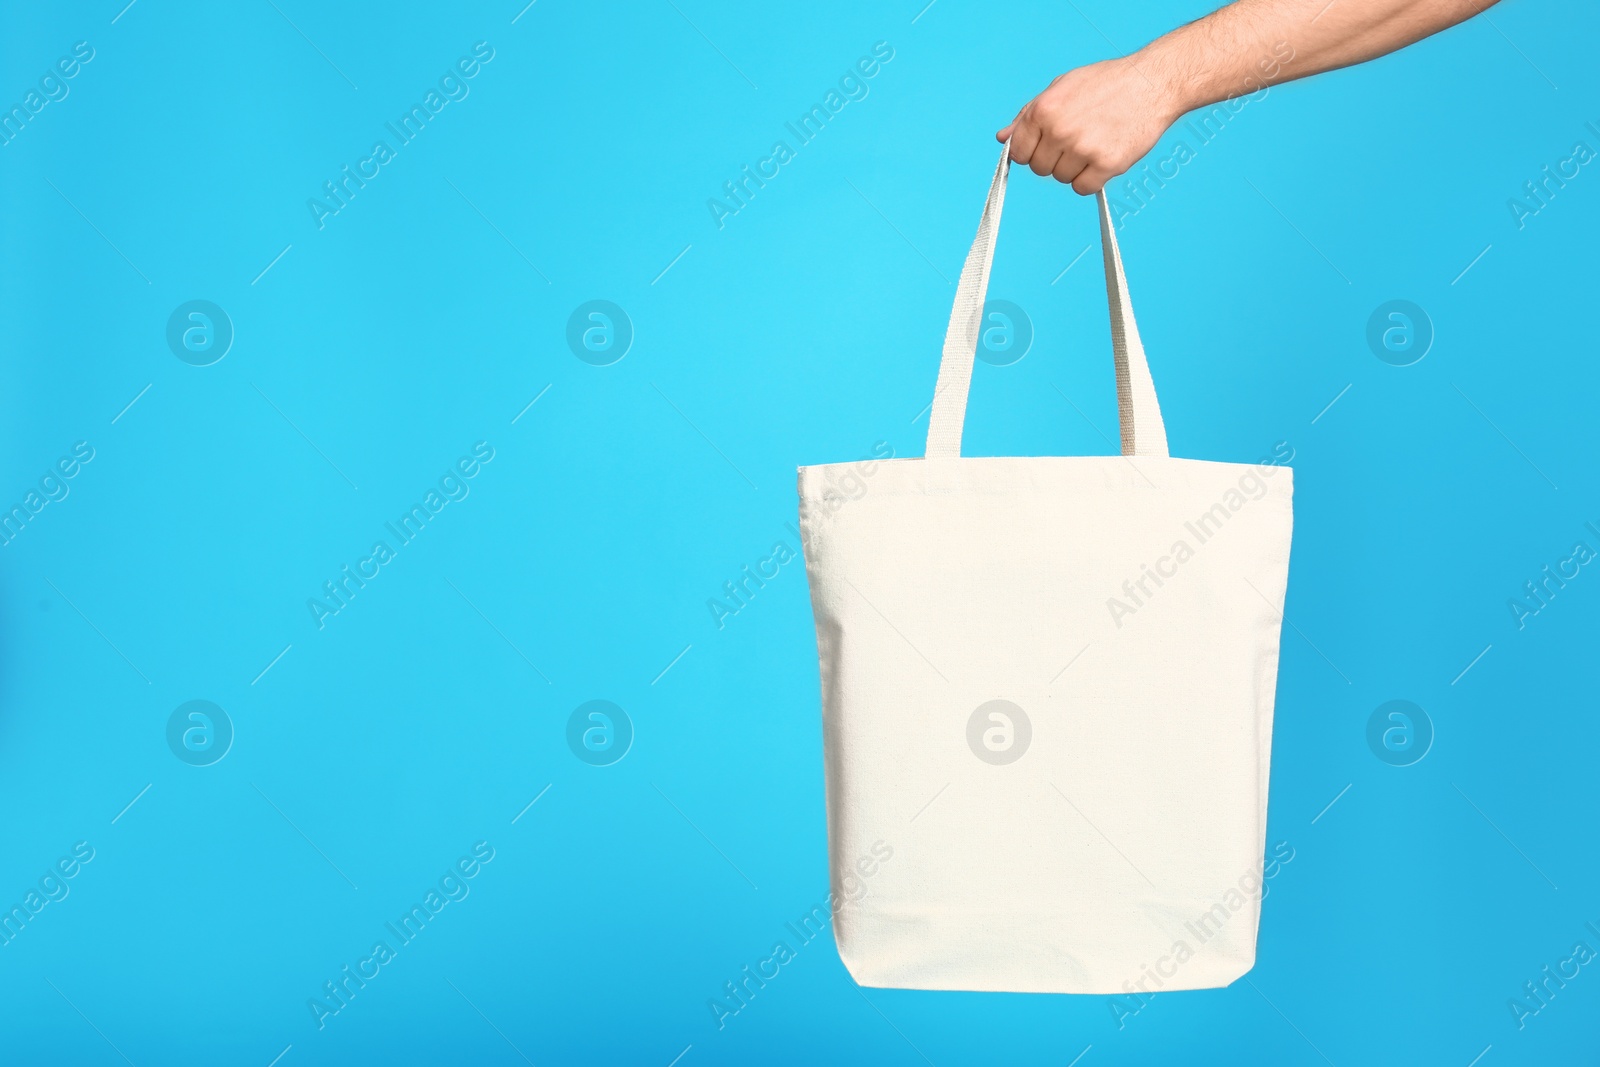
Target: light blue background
{"points": [[379, 748]]}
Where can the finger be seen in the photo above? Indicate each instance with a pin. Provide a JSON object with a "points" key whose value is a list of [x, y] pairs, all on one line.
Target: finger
{"points": [[1067, 168], [1005, 134], [1024, 139], [1091, 180], [1044, 159]]}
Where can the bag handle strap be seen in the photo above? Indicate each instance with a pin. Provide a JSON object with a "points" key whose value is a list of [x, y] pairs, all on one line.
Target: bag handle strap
{"points": [[1138, 411]]}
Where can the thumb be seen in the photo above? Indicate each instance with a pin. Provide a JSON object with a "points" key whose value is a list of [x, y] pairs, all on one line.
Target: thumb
{"points": [[1005, 134]]}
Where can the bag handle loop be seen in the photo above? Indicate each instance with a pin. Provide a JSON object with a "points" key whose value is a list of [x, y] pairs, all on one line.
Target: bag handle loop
{"points": [[1138, 411]]}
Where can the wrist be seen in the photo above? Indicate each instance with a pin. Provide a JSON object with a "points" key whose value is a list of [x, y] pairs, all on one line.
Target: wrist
{"points": [[1180, 85]]}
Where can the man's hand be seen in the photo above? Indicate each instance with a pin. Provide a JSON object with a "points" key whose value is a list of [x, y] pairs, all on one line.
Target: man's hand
{"points": [[1092, 124], [1096, 122]]}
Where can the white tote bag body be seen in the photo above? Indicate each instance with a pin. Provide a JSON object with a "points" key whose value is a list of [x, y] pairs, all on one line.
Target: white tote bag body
{"points": [[1047, 689]]}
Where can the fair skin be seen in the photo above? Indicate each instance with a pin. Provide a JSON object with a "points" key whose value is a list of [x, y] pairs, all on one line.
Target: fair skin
{"points": [[1094, 123]]}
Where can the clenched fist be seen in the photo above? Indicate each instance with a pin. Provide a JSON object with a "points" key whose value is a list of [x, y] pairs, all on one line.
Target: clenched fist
{"points": [[1092, 124]]}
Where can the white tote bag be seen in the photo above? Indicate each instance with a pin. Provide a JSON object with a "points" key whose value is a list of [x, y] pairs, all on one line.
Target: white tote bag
{"points": [[1047, 690]]}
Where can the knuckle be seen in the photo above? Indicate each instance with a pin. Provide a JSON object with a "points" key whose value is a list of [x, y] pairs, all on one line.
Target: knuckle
{"points": [[1061, 126], [1095, 152]]}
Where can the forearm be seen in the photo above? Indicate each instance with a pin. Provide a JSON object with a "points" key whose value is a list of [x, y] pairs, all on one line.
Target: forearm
{"points": [[1093, 123], [1251, 44]]}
